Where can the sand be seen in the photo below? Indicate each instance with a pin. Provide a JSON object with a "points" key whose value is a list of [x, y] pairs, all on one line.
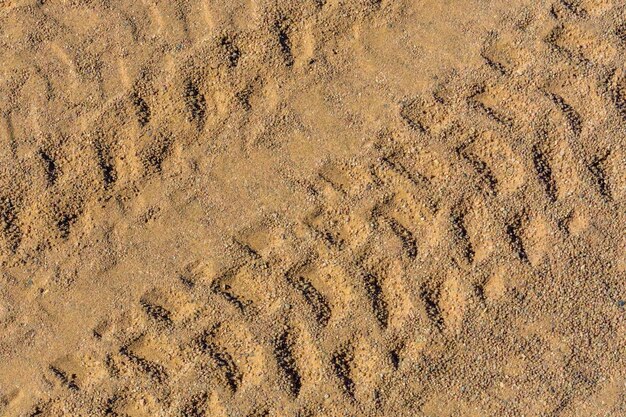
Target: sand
{"points": [[312, 208]]}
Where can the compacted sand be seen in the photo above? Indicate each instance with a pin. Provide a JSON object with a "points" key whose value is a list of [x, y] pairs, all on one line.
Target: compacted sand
{"points": [[312, 208]]}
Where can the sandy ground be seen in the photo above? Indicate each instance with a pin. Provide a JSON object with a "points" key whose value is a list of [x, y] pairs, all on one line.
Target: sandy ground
{"points": [[312, 208]]}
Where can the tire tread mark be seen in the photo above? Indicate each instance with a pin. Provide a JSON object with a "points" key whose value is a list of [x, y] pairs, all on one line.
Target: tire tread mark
{"points": [[620, 32], [50, 166], [544, 173], [142, 110], [495, 65], [9, 224], [196, 407], [156, 153], [375, 293], [68, 381], [231, 51], [224, 290], [152, 369], [491, 113], [196, 104], [409, 243], [64, 223], [222, 359], [317, 302], [573, 118], [281, 27], [415, 178], [616, 95], [598, 170], [108, 408], [433, 311], [156, 312], [460, 232], [342, 366], [283, 352], [514, 233], [406, 113], [486, 177], [575, 8], [103, 154], [552, 41]]}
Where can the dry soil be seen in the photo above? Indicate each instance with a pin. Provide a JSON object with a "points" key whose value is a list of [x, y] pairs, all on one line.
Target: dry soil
{"points": [[313, 208]]}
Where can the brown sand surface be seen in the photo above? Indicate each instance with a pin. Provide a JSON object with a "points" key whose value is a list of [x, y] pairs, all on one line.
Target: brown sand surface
{"points": [[313, 208]]}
